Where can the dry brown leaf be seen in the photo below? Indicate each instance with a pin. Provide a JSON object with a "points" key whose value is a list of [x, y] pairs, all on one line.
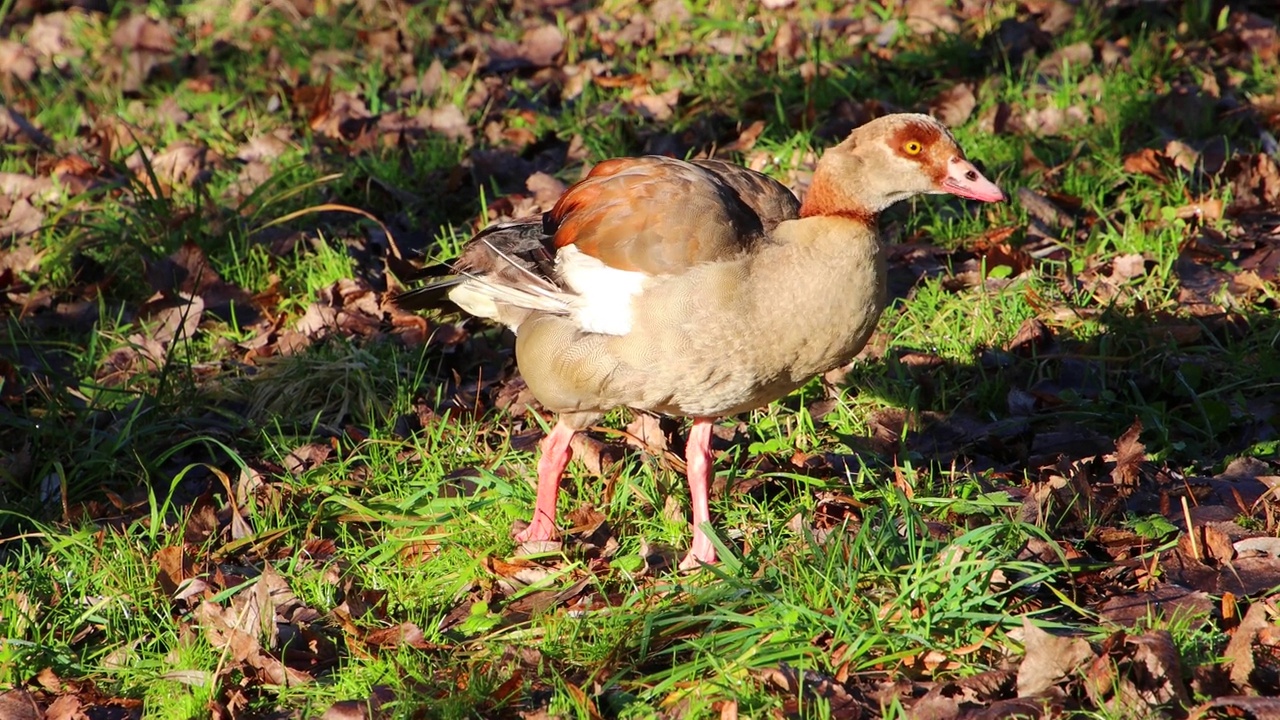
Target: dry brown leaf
{"points": [[541, 45], [1150, 677], [19, 705], [1165, 600], [173, 566], [1255, 181], [646, 433], [404, 634], [308, 456], [75, 174], [341, 115], [947, 697], [1183, 156], [318, 321], [448, 120], [142, 44], [1127, 267], [926, 17], [266, 146], [1263, 544], [1000, 119], [1076, 56], [370, 708], [17, 60], [23, 219], [1043, 209], [227, 629], [186, 273], [1049, 659], [1033, 338], [65, 707], [140, 32], [22, 186], [538, 47], [596, 456], [954, 105], [1147, 161], [49, 37], [1051, 121], [1256, 33], [1004, 254], [1239, 653], [1130, 454], [172, 318], [182, 164], [658, 108], [745, 140], [728, 44], [546, 189], [1254, 708]]}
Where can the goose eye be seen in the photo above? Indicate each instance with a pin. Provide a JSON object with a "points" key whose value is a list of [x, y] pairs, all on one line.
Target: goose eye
{"points": [[912, 147]]}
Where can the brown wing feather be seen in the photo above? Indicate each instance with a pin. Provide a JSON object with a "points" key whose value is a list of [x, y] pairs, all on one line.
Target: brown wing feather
{"points": [[771, 201], [516, 253], [652, 214], [655, 215]]}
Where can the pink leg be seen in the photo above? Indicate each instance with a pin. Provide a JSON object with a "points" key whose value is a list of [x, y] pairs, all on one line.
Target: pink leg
{"points": [[698, 466], [555, 457]]}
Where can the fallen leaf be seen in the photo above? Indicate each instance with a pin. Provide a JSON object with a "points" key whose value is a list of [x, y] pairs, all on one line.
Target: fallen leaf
{"points": [[1149, 162], [1048, 659], [140, 32], [1033, 338], [371, 708], [1075, 56], [405, 634], [17, 61], [656, 108], [1043, 209], [23, 219], [926, 17], [449, 121], [1256, 708], [65, 707], [181, 164], [174, 566], [1239, 653], [1257, 33], [19, 705], [1052, 121], [546, 189], [745, 140], [172, 318], [538, 47], [1130, 454], [954, 105], [1152, 677], [305, 457], [1127, 267], [646, 433]]}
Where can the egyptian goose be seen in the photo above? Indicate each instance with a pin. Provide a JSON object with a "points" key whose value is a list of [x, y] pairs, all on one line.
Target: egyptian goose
{"points": [[699, 289]]}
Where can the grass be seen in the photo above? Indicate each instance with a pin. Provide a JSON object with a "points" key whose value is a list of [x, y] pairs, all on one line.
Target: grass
{"points": [[358, 469]]}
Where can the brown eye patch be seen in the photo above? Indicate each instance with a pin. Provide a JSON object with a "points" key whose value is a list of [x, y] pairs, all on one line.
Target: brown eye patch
{"points": [[931, 144]]}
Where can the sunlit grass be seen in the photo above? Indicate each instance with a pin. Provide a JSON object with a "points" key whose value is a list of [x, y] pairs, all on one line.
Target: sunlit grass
{"points": [[419, 514]]}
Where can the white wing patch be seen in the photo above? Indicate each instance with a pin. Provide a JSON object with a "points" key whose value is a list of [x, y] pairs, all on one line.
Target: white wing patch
{"points": [[604, 294]]}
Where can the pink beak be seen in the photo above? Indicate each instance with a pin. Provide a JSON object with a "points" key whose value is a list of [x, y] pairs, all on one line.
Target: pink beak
{"points": [[964, 180]]}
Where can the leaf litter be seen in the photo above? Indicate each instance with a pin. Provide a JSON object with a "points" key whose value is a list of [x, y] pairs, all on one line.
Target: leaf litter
{"points": [[1084, 487]]}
